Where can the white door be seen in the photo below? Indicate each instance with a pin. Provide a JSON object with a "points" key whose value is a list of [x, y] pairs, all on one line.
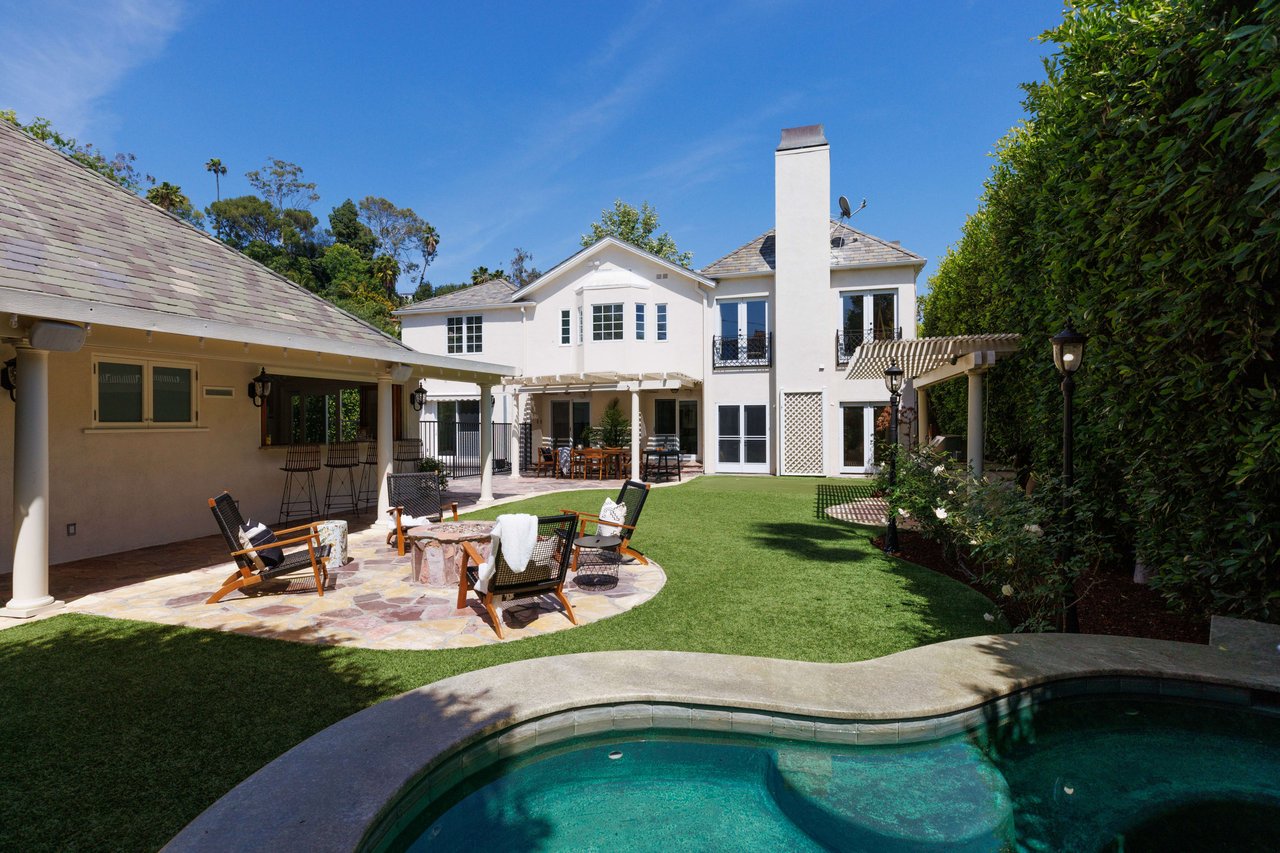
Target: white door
{"points": [[743, 439], [858, 447]]}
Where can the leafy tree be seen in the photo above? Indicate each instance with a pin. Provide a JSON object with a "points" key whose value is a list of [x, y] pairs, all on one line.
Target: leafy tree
{"points": [[480, 275], [1140, 201], [423, 241], [280, 183], [636, 227], [215, 165], [523, 271], [245, 219], [171, 198], [401, 233], [423, 291], [345, 227], [120, 168]]}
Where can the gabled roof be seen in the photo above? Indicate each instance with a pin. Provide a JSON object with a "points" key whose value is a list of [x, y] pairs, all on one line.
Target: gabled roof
{"points": [[849, 248], [76, 246], [597, 247], [487, 294]]}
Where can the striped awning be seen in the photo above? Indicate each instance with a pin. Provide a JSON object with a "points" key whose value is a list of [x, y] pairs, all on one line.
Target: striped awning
{"points": [[918, 357], [600, 381]]}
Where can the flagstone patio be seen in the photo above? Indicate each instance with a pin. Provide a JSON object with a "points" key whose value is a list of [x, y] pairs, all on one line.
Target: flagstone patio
{"points": [[370, 602]]}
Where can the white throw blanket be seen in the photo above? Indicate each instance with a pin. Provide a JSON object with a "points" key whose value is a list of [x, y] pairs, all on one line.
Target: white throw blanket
{"points": [[516, 535]]}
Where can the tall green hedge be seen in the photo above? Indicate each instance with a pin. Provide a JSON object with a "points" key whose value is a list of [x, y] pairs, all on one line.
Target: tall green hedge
{"points": [[1141, 198]]}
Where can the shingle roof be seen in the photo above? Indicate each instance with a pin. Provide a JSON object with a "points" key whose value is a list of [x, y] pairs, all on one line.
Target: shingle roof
{"points": [[849, 247], [69, 233], [495, 292]]}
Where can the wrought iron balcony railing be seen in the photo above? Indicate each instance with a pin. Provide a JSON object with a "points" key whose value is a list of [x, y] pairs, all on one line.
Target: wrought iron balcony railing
{"points": [[848, 340], [742, 351]]}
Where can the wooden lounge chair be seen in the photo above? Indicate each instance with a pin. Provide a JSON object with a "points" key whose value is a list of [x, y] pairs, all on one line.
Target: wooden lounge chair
{"points": [[315, 556], [415, 499], [633, 494], [544, 574], [546, 463]]}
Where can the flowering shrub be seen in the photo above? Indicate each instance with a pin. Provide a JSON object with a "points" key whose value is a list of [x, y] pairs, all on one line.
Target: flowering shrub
{"points": [[1009, 542]]}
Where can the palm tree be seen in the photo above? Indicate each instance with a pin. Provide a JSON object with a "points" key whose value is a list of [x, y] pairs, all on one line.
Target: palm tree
{"points": [[215, 165], [386, 272], [168, 196]]}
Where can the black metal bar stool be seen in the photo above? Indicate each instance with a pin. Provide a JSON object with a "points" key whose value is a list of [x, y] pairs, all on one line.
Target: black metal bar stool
{"points": [[344, 459], [368, 494], [407, 456], [301, 461]]}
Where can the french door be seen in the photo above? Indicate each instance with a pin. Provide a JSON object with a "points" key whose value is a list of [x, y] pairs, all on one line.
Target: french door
{"points": [[743, 440], [679, 419], [859, 450]]}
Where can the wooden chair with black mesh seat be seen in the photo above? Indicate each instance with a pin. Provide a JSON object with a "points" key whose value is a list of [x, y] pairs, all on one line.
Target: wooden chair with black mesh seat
{"points": [[249, 573], [546, 462], [544, 574], [415, 500], [633, 495]]}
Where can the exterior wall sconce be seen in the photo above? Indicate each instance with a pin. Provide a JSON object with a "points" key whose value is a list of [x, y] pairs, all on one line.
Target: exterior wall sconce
{"points": [[9, 378], [260, 388], [418, 398]]}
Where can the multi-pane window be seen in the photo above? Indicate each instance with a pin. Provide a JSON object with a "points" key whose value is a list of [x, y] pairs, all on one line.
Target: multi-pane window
{"points": [[465, 334], [565, 327], [606, 322], [143, 393], [639, 321], [660, 310]]}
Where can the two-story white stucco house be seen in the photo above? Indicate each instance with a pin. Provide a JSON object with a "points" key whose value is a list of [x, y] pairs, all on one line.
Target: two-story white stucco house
{"points": [[740, 363]]}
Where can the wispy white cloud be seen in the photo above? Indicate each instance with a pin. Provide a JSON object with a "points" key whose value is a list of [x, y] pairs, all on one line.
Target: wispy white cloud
{"points": [[58, 58]]}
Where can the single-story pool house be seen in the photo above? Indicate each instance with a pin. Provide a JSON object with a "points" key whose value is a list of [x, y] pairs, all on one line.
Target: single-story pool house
{"points": [[130, 342]]}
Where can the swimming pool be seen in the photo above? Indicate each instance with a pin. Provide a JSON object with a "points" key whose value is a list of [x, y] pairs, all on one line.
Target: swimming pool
{"points": [[1085, 773]]}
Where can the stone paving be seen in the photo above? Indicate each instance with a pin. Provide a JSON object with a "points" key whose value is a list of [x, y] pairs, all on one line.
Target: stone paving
{"points": [[370, 602]]}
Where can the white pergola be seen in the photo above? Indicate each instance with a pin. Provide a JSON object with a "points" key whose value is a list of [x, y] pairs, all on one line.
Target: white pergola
{"points": [[573, 383], [929, 361]]}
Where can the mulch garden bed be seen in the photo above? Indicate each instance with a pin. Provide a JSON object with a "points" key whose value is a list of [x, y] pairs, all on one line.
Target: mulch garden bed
{"points": [[1112, 603]]}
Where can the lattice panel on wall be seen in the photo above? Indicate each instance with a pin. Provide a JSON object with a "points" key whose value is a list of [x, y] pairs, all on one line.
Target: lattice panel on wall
{"points": [[802, 432]]}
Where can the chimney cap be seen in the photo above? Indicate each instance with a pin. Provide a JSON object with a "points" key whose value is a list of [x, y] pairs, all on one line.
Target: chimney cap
{"points": [[809, 136]]}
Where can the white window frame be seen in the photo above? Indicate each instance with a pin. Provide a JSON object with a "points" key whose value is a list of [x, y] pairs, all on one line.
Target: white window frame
{"points": [[640, 309], [742, 466], [473, 336], [868, 306], [454, 334], [566, 327], [868, 437], [148, 415], [611, 327], [464, 333], [660, 321]]}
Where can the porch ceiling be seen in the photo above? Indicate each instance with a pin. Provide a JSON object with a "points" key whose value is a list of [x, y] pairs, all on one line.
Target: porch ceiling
{"points": [[601, 381], [932, 360]]}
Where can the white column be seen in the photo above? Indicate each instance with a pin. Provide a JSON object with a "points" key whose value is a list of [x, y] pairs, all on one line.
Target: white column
{"points": [[975, 423], [922, 416], [635, 434], [514, 441], [486, 444], [385, 438], [31, 488]]}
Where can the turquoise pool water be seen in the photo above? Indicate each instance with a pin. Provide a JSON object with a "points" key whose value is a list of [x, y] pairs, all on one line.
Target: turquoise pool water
{"points": [[1072, 775]]}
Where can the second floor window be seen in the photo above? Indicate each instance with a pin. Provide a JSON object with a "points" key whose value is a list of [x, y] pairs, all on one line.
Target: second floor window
{"points": [[660, 311], [639, 321], [565, 327], [606, 322], [465, 334]]}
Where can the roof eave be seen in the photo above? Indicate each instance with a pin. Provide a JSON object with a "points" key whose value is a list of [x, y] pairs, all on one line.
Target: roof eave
{"points": [[560, 268], [410, 311]]}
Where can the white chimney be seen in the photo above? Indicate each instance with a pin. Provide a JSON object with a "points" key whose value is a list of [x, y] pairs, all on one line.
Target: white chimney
{"points": [[802, 277]]}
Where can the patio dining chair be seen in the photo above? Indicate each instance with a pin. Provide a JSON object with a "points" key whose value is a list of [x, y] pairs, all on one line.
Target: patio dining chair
{"points": [[544, 574], [546, 462], [632, 495], [250, 571], [415, 500]]}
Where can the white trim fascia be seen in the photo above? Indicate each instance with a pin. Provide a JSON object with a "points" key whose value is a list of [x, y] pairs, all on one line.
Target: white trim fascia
{"points": [[769, 273], [879, 265], [84, 311], [643, 285], [410, 311], [596, 248]]}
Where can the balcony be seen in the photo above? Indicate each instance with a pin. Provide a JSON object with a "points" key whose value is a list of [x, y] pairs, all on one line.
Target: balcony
{"points": [[848, 340], [742, 351]]}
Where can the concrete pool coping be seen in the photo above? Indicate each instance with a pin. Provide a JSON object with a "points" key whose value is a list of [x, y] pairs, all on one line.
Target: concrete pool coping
{"points": [[326, 793]]}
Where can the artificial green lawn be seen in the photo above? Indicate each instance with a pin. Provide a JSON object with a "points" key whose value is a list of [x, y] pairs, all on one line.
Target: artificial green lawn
{"points": [[115, 734]]}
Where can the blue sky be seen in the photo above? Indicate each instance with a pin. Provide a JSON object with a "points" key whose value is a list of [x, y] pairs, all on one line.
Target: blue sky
{"points": [[510, 124]]}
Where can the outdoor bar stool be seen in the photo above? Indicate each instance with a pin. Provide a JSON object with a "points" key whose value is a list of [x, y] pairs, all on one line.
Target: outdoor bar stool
{"points": [[367, 495], [344, 459], [301, 462], [407, 455]]}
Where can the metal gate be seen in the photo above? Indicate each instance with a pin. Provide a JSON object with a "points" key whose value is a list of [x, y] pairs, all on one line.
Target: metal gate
{"points": [[456, 446]]}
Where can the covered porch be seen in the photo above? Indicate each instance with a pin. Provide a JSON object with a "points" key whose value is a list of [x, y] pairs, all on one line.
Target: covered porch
{"points": [[926, 362]]}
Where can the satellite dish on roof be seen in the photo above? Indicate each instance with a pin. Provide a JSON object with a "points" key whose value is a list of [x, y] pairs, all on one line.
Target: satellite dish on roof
{"points": [[845, 212]]}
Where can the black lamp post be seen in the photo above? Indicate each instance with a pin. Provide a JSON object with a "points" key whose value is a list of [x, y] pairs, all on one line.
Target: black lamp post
{"points": [[892, 381], [1068, 354], [260, 388]]}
